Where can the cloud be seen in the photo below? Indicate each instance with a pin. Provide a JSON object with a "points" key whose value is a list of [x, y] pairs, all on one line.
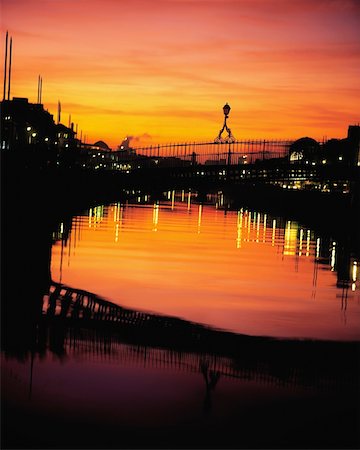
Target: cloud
{"points": [[135, 141]]}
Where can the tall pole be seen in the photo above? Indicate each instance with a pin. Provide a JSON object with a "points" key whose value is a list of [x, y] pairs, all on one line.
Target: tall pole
{"points": [[9, 82], [38, 90], [59, 112], [5, 62]]}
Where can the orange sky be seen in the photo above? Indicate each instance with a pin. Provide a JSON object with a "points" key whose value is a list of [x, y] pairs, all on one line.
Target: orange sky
{"points": [[161, 70]]}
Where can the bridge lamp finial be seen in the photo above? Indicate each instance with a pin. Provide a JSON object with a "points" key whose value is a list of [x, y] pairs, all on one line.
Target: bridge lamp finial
{"points": [[230, 138], [226, 109]]}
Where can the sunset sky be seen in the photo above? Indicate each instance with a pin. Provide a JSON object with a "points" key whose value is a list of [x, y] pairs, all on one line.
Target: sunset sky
{"points": [[161, 70]]}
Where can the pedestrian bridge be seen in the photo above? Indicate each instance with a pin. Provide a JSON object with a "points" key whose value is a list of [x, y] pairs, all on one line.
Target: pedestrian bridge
{"points": [[238, 162]]}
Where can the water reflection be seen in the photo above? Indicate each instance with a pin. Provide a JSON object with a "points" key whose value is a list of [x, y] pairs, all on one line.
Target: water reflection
{"points": [[72, 378], [242, 270], [79, 324]]}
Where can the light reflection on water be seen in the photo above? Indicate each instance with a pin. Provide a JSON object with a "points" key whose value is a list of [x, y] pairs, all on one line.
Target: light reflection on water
{"points": [[243, 271]]}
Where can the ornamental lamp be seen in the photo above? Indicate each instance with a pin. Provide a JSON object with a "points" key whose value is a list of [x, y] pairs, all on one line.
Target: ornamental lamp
{"points": [[226, 109]]}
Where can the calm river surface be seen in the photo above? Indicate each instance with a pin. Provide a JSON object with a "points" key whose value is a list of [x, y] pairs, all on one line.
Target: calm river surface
{"points": [[241, 271]]}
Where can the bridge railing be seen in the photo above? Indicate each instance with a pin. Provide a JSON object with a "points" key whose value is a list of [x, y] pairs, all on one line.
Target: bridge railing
{"points": [[217, 153]]}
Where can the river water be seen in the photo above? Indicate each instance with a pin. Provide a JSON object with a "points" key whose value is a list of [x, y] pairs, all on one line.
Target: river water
{"points": [[242, 271]]}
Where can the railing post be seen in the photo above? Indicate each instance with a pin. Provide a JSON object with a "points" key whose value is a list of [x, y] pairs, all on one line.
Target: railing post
{"points": [[229, 156]]}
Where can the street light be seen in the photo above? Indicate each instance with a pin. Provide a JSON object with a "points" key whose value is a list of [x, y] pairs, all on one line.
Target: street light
{"points": [[226, 109], [229, 138]]}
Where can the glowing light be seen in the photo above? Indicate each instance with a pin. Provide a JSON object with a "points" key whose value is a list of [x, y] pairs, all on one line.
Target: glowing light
{"points": [[273, 233], [354, 271], [189, 201], [301, 241], [155, 216], [308, 243], [221, 199], [264, 232], [172, 200], [317, 247], [333, 256], [290, 240], [239, 228], [258, 227], [249, 226], [199, 218]]}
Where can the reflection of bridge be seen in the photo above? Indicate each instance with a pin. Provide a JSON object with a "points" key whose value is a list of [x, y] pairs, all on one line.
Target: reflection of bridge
{"points": [[79, 322]]}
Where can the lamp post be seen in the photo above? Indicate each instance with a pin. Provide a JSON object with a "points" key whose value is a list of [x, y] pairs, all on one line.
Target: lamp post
{"points": [[229, 138]]}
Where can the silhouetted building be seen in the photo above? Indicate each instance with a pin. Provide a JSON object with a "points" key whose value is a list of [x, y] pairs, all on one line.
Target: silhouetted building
{"points": [[65, 137], [334, 151], [24, 123], [354, 141], [29, 124], [305, 149], [102, 145]]}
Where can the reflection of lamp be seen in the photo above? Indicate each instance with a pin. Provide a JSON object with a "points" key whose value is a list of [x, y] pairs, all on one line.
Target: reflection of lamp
{"points": [[230, 138]]}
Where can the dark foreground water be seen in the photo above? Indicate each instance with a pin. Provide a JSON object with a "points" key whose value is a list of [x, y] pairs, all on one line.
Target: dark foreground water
{"points": [[68, 383]]}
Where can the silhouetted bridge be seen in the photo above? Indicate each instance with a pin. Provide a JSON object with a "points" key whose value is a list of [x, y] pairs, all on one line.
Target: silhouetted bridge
{"points": [[209, 164], [82, 322]]}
